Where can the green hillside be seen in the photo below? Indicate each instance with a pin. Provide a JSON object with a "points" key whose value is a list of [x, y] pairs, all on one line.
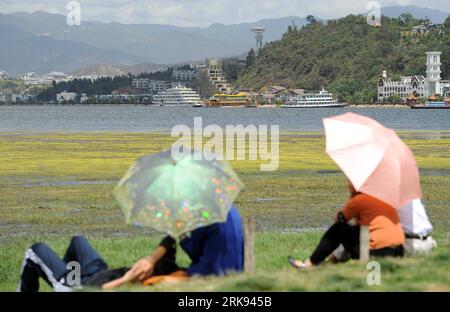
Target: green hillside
{"points": [[346, 56]]}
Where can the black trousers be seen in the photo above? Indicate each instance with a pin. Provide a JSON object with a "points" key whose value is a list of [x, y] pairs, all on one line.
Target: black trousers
{"points": [[348, 235], [42, 262]]}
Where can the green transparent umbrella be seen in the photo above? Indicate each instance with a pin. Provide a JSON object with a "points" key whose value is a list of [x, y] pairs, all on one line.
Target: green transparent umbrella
{"points": [[177, 196]]}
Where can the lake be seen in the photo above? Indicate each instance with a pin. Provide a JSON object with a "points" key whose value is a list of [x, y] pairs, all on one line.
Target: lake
{"points": [[80, 118]]}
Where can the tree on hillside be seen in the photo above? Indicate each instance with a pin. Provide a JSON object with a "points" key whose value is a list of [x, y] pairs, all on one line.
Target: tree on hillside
{"points": [[447, 22], [203, 85], [311, 19], [426, 20], [406, 19], [251, 58], [231, 68]]}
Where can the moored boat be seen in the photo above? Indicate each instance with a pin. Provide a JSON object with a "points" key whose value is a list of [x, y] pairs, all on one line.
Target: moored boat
{"points": [[231, 100], [313, 100], [178, 96]]}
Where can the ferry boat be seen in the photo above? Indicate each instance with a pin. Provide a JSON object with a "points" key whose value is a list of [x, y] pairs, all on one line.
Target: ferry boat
{"points": [[178, 96], [310, 100], [230, 100]]}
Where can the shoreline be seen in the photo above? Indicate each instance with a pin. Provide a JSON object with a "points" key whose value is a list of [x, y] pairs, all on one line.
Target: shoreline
{"points": [[390, 106]]}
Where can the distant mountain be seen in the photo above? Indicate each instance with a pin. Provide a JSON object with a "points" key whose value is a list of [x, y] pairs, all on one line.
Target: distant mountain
{"points": [[137, 69], [110, 70], [99, 70], [436, 16], [240, 33], [22, 52], [42, 41], [152, 43]]}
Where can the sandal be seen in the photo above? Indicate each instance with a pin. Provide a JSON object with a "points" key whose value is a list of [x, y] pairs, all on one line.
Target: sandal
{"points": [[292, 262]]}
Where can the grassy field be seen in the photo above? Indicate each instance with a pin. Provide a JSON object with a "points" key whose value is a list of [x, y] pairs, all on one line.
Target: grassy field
{"points": [[53, 186]]}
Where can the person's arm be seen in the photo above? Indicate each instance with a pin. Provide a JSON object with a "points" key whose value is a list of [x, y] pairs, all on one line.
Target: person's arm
{"points": [[143, 268], [352, 209]]}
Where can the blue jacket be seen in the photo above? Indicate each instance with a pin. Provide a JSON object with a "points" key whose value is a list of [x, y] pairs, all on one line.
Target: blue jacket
{"points": [[216, 249]]}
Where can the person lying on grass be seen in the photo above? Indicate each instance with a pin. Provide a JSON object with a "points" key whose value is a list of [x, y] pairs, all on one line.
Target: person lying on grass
{"points": [[385, 232], [214, 250]]}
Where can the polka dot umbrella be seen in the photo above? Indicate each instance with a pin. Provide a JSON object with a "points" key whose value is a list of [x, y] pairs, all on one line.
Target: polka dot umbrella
{"points": [[177, 196]]}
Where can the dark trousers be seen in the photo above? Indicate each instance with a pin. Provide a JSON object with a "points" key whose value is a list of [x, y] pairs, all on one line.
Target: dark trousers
{"points": [[347, 235], [41, 261]]}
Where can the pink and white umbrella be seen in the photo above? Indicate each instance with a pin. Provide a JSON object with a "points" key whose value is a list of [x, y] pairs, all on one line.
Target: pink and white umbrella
{"points": [[373, 158]]}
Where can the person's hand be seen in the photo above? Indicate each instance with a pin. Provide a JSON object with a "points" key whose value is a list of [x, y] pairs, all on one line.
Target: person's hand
{"points": [[142, 269]]}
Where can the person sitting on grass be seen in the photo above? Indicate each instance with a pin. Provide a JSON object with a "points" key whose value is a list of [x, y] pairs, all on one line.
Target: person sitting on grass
{"points": [[215, 249], [385, 231]]}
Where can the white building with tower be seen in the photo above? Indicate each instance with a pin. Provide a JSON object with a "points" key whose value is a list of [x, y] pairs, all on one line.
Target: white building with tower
{"points": [[434, 72], [418, 85]]}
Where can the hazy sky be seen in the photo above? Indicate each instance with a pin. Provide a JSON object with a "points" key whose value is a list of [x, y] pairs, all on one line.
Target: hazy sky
{"points": [[206, 12]]}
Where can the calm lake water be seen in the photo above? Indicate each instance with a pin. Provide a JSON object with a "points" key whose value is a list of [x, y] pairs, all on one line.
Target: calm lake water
{"points": [[144, 118]]}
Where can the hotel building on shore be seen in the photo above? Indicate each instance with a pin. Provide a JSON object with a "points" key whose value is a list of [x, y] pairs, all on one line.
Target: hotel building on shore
{"points": [[153, 86], [181, 74], [216, 76], [418, 85]]}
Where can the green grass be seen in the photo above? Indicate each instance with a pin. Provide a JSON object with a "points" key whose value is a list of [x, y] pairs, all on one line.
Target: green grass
{"points": [[53, 186], [273, 273]]}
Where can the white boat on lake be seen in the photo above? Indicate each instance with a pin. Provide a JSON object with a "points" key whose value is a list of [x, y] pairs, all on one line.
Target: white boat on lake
{"points": [[178, 96], [313, 100]]}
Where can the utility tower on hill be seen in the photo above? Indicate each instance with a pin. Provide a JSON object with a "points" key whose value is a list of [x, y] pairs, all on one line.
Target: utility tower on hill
{"points": [[258, 31]]}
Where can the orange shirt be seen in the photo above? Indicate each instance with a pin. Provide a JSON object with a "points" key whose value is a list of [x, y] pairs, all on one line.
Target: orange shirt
{"points": [[383, 221]]}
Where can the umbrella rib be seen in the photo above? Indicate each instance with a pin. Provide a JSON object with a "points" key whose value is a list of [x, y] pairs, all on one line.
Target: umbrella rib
{"points": [[355, 145]]}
